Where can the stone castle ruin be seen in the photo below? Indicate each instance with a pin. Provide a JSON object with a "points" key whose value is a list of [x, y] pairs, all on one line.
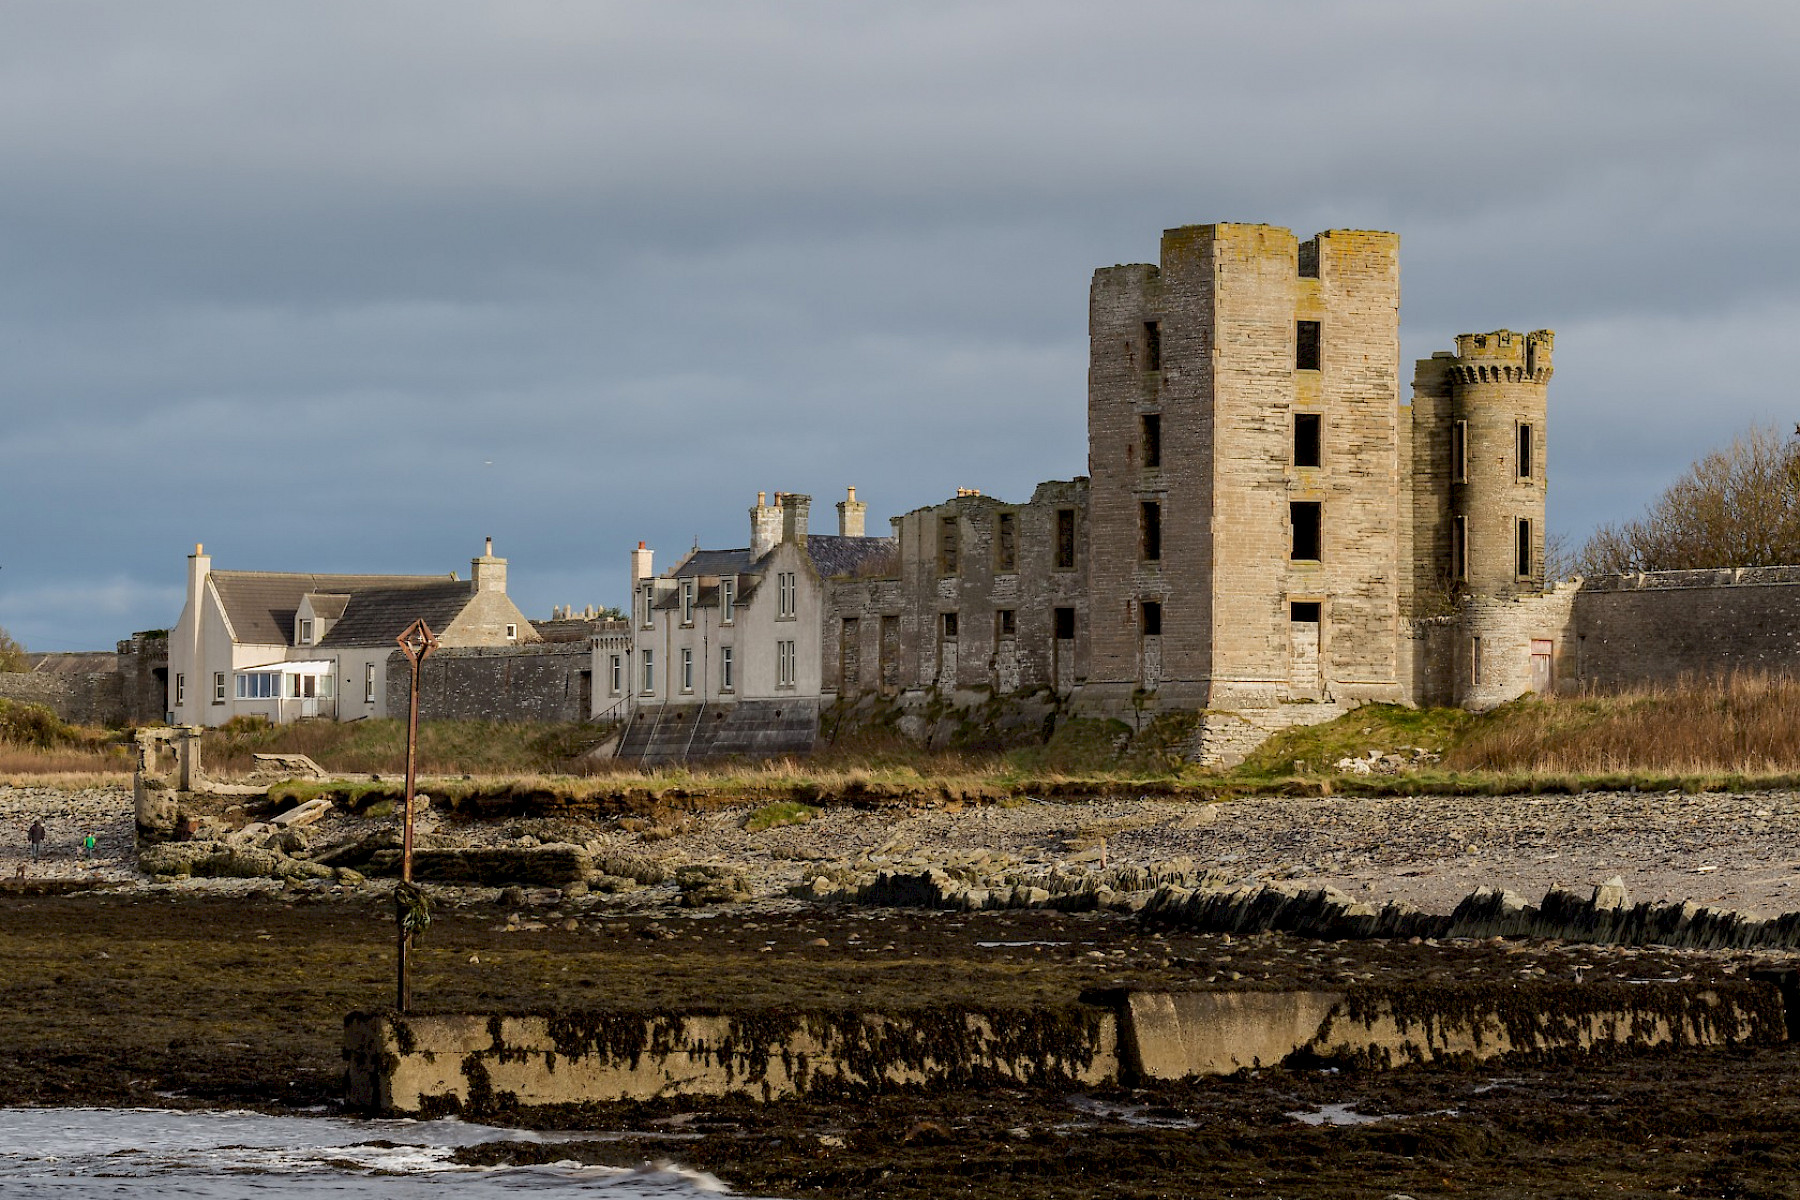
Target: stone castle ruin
{"points": [[1269, 534]]}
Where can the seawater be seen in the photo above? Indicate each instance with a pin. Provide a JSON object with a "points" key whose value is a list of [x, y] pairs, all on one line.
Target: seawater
{"points": [[90, 1153]]}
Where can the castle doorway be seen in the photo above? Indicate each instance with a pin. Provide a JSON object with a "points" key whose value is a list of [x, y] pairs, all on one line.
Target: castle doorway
{"points": [[1543, 656], [1304, 625]]}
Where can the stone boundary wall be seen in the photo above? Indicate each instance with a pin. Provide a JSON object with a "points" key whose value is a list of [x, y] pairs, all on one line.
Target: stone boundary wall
{"points": [[92, 698], [1664, 626], [474, 1065], [542, 681], [1188, 900]]}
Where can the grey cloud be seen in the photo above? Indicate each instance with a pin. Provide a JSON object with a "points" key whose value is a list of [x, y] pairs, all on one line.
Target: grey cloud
{"points": [[286, 279]]}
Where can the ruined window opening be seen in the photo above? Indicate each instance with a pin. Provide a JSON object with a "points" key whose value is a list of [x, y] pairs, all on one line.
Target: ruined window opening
{"points": [[1459, 548], [727, 673], [1150, 529], [1525, 555], [1306, 346], [687, 669], [1006, 542], [1307, 519], [1065, 539], [1474, 662], [649, 671], [1307, 427], [1150, 614], [1064, 624], [1153, 345], [1309, 259], [1152, 431], [369, 681], [947, 545], [1524, 450], [615, 676], [950, 624], [1459, 452], [1303, 611], [1006, 623]]}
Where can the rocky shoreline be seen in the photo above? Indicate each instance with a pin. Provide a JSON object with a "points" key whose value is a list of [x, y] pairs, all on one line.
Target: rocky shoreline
{"points": [[1737, 852], [188, 990]]}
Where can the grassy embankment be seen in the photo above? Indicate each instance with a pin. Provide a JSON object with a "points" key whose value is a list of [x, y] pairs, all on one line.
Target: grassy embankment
{"points": [[1708, 735]]}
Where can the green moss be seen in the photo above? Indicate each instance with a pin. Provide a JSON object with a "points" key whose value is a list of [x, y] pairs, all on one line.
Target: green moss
{"points": [[1384, 727], [782, 812]]}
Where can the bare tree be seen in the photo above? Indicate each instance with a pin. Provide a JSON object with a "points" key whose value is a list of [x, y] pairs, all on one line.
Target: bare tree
{"points": [[1737, 507], [12, 655]]}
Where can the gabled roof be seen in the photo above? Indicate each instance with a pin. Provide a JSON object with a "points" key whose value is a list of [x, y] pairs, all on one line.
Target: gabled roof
{"points": [[830, 554], [328, 605], [260, 604], [377, 616]]}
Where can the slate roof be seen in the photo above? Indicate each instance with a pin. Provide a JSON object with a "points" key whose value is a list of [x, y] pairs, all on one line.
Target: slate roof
{"points": [[261, 604], [715, 562], [831, 555], [377, 616], [834, 555]]}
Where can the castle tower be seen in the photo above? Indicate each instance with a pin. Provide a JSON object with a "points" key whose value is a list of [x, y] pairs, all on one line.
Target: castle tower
{"points": [[1479, 445], [1244, 519]]}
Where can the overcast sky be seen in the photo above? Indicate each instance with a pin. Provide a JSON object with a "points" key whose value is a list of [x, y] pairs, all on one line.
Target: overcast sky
{"points": [[348, 286]]}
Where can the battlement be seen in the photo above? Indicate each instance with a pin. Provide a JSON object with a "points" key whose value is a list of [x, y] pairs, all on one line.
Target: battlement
{"points": [[1504, 356]]}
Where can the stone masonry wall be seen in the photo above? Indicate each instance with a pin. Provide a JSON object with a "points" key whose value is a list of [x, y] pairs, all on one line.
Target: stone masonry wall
{"points": [[1662, 626], [962, 568], [92, 698], [544, 681], [1509, 629]]}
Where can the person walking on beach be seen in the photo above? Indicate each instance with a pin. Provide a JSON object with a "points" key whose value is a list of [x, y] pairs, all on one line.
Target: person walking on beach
{"points": [[36, 837], [87, 847]]}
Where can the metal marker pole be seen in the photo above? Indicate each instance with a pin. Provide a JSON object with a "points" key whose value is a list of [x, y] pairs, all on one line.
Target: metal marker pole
{"points": [[417, 642]]}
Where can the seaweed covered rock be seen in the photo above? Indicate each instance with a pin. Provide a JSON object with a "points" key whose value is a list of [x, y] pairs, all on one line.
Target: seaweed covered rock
{"points": [[702, 885], [216, 860]]}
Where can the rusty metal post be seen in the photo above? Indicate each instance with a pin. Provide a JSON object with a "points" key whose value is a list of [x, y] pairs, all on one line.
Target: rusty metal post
{"points": [[417, 642]]}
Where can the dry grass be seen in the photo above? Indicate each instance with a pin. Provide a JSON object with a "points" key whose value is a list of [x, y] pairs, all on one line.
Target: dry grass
{"points": [[1746, 725], [1735, 732]]}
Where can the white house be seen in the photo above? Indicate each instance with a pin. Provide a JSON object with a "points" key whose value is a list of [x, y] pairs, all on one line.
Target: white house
{"points": [[727, 643], [286, 646]]}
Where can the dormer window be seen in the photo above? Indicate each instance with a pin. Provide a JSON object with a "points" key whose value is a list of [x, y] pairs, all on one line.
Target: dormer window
{"points": [[306, 631]]}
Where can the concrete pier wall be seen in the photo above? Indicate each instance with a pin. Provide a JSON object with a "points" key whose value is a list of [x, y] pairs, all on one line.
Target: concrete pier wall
{"points": [[434, 1065]]}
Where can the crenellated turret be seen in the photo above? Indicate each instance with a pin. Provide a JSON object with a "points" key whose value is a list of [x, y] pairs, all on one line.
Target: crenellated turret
{"points": [[1479, 448]]}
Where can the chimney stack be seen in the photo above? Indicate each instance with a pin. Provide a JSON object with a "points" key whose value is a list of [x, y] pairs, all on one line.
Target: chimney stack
{"points": [[794, 509], [765, 525], [851, 513], [488, 572]]}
